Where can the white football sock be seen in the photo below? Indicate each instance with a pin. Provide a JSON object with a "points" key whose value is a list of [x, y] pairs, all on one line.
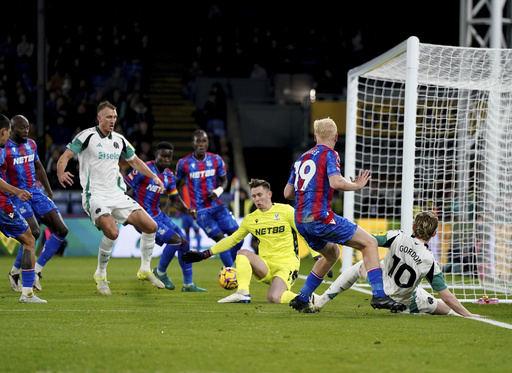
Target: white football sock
{"points": [[344, 281], [147, 242], [104, 252]]}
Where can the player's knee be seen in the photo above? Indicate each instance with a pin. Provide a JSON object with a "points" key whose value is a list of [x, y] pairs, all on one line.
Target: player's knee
{"points": [[152, 228], [273, 298], [331, 252], [243, 252], [61, 231], [36, 232], [111, 234], [149, 227]]}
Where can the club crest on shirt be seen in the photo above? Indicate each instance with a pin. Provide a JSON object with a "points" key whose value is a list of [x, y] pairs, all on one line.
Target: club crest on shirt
{"points": [[277, 217], [116, 145]]}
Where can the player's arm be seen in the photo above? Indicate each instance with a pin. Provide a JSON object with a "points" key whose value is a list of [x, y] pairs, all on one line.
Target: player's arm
{"points": [[65, 177], [178, 183], [289, 192], [338, 182], [220, 189], [41, 176], [20, 193], [138, 164], [385, 239], [452, 302], [221, 246], [176, 202]]}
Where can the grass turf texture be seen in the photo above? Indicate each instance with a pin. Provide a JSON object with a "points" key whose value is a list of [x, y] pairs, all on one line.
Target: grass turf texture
{"points": [[143, 329]]}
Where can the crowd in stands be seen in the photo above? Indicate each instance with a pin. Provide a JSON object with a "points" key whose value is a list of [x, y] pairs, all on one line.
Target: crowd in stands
{"points": [[85, 65], [88, 62]]}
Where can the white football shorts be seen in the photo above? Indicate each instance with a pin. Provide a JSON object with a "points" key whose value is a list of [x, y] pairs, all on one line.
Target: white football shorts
{"points": [[119, 207]]}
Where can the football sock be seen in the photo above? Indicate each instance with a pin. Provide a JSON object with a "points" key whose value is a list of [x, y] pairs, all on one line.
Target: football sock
{"points": [[106, 245], [28, 276], [287, 296], [186, 268], [243, 272], [167, 256], [147, 242], [50, 248], [344, 281], [17, 262], [312, 282], [198, 239], [226, 259], [374, 276]]}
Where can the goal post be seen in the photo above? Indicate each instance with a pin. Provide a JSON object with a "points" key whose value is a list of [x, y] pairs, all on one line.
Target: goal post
{"points": [[433, 123]]}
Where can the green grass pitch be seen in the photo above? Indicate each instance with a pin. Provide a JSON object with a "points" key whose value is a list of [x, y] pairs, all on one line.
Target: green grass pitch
{"points": [[142, 329]]}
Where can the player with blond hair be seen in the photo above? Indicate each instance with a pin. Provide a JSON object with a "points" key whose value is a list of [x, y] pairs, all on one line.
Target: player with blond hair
{"points": [[407, 263], [313, 179], [103, 199]]}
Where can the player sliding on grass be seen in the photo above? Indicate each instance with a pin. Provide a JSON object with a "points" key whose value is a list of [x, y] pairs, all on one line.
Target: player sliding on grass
{"points": [[104, 200], [147, 194], [277, 261], [406, 264], [314, 177]]}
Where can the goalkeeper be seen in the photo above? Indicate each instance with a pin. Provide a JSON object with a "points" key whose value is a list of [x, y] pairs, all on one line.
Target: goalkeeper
{"points": [[406, 264], [277, 261]]}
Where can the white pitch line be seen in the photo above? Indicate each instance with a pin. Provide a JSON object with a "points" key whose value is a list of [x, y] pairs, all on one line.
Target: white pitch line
{"points": [[481, 319]]}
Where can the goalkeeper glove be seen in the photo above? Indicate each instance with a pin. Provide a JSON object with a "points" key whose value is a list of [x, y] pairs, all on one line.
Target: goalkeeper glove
{"points": [[196, 256]]}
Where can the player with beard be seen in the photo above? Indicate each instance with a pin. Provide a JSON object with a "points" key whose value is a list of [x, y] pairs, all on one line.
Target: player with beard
{"points": [[104, 198], [25, 171]]}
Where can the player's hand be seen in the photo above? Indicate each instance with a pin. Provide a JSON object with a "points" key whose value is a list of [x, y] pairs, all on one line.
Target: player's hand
{"points": [[195, 256], [213, 196], [66, 178], [160, 184], [192, 213], [192, 257], [362, 178], [24, 195]]}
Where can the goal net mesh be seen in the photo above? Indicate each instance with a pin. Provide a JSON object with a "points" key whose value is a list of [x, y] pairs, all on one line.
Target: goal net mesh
{"points": [[462, 158]]}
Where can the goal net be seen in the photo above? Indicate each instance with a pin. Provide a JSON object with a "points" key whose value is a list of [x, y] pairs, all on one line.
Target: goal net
{"points": [[434, 125]]}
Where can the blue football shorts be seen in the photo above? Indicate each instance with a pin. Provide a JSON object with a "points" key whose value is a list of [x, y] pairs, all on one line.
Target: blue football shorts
{"points": [[188, 222], [317, 233], [166, 229], [38, 205], [12, 227], [215, 220]]}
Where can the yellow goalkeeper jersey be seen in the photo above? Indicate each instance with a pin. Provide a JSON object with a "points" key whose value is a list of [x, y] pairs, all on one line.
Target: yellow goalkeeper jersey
{"points": [[275, 229]]}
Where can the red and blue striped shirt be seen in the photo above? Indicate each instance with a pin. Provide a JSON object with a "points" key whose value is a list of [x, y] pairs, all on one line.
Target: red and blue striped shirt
{"points": [[5, 198], [20, 160], [310, 178], [201, 178], [146, 192]]}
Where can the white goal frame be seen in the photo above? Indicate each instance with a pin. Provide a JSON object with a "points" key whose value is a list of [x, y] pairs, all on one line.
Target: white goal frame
{"points": [[405, 89]]}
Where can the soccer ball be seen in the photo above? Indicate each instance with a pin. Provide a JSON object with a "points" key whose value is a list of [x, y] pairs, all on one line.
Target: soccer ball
{"points": [[227, 278]]}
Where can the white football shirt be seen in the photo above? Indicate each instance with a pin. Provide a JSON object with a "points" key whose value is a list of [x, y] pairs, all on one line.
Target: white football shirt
{"points": [[406, 264], [98, 158]]}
